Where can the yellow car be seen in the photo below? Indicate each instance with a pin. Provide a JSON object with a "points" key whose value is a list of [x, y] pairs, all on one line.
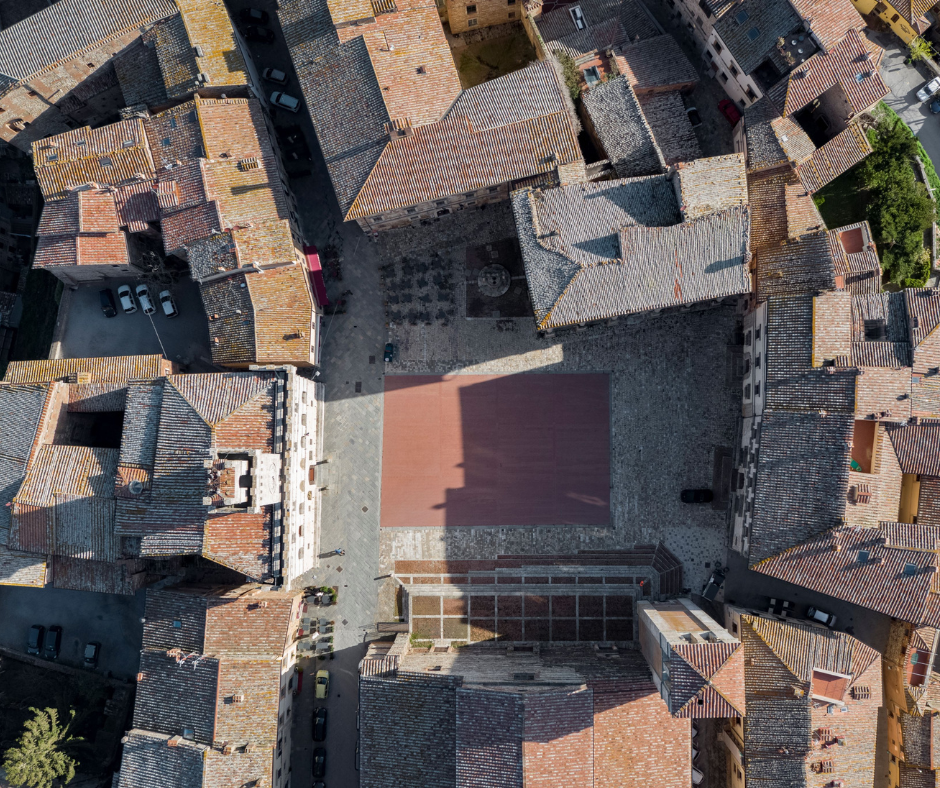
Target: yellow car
{"points": [[323, 683]]}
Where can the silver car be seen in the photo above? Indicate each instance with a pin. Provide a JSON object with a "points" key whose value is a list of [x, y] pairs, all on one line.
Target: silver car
{"points": [[143, 295], [282, 100], [929, 89], [126, 297]]}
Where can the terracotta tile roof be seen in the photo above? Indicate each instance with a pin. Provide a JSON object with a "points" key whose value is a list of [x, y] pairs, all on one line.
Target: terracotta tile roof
{"points": [[832, 327], [672, 130], [802, 479], [856, 258], [506, 129], [198, 41], [622, 129], [229, 307], [917, 447], [804, 265], [829, 20], [595, 38], [558, 738], [489, 738], [117, 369], [105, 155], [656, 63], [63, 30], [64, 250], [925, 397], [66, 504], [240, 541], [21, 569], [148, 762], [712, 184], [124, 576], [897, 581], [923, 309], [781, 209], [827, 163], [555, 24], [283, 314], [928, 507], [595, 251], [763, 146], [707, 680], [840, 66], [786, 733], [138, 73], [770, 18]]}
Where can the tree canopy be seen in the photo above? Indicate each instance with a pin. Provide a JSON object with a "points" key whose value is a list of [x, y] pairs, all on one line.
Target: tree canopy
{"points": [[39, 757], [899, 207]]}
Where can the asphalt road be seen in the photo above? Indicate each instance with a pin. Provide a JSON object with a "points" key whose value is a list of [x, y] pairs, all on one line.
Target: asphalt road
{"points": [[185, 338], [110, 619], [904, 82]]}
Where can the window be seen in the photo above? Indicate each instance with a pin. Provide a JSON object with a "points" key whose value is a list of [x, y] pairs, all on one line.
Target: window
{"points": [[862, 556], [705, 9], [734, 70], [510, 2], [757, 362], [471, 9], [741, 17], [512, 14], [747, 391], [893, 20], [471, 23], [757, 389], [747, 339], [177, 625], [910, 569], [577, 17], [753, 34], [592, 76], [757, 334], [747, 365]]}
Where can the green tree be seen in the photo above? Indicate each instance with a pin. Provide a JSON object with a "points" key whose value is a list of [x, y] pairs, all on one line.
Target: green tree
{"points": [[918, 49], [899, 207], [39, 757], [571, 73]]}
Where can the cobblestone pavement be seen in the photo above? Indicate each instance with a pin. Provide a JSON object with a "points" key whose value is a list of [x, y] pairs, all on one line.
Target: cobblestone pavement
{"points": [[673, 402]]}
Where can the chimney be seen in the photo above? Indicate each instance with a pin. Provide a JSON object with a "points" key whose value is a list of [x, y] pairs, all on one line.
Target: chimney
{"points": [[227, 748], [174, 741]]}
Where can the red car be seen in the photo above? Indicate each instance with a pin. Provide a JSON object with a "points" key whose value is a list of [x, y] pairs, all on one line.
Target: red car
{"points": [[727, 108]]}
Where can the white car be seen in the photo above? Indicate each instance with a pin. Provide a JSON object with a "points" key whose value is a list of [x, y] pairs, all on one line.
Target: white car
{"points": [[282, 100], [143, 295], [168, 304], [126, 297], [927, 91]]}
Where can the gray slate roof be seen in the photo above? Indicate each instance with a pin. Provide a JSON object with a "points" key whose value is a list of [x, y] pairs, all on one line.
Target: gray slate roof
{"points": [[598, 250], [69, 27], [771, 18], [149, 763], [622, 129]]}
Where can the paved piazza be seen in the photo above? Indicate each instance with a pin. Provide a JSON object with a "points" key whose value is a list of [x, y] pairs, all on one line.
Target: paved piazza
{"points": [[490, 450], [673, 403]]}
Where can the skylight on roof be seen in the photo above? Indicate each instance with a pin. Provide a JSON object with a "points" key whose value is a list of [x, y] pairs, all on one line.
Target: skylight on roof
{"points": [[863, 556], [910, 569], [741, 17], [753, 33]]}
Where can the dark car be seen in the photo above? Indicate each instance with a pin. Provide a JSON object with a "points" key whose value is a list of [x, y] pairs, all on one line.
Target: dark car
{"points": [[108, 306], [256, 33], [935, 106], [319, 762], [713, 586], [319, 724], [92, 650], [389, 351], [53, 641], [34, 640], [727, 108], [697, 496], [254, 16]]}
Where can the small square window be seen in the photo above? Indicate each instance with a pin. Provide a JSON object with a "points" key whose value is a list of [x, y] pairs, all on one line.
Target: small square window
{"points": [[177, 624], [471, 23], [753, 34], [741, 17], [510, 2], [734, 70], [863, 556], [512, 14], [910, 569], [723, 77], [471, 9], [592, 76]]}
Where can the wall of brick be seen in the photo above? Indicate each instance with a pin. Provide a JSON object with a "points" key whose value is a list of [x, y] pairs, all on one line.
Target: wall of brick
{"points": [[463, 15]]}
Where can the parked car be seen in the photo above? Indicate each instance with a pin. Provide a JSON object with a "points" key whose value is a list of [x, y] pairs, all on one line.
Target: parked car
{"points": [[730, 110], [697, 496], [143, 295], [389, 351], [256, 33], [319, 723], [275, 75], [697, 776], [929, 89], [254, 16], [319, 762], [323, 684], [694, 117], [106, 298], [168, 304], [815, 614], [282, 100], [53, 642], [92, 650], [713, 586], [126, 297], [934, 107], [34, 639]]}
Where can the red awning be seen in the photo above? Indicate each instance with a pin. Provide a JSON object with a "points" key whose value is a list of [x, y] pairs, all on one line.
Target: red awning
{"points": [[316, 275]]}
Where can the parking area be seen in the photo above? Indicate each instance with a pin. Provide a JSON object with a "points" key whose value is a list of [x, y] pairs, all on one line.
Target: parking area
{"points": [[112, 620], [184, 339]]}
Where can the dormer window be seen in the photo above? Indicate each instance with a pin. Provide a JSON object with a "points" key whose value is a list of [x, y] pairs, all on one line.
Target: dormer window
{"points": [[577, 16]]}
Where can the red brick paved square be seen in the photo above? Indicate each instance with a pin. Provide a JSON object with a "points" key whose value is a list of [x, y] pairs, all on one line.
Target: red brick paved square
{"points": [[496, 450]]}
